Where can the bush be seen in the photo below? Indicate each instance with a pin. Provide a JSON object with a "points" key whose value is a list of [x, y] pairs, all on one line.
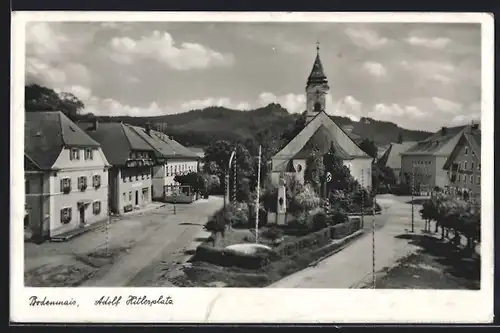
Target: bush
{"points": [[338, 216], [272, 233], [319, 221]]}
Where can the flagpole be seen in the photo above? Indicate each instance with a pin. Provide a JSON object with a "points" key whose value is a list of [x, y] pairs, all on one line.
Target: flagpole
{"points": [[257, 206]]}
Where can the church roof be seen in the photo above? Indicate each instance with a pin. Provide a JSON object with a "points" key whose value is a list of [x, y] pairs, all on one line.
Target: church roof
{"points": [[320, 133], [317, 73]]}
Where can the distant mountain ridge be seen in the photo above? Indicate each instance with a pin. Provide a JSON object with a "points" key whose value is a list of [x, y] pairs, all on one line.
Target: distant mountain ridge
{"points": [[200, 127]]}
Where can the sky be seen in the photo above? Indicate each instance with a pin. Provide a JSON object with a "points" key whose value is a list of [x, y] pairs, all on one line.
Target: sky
{"points": [[417, 75]]}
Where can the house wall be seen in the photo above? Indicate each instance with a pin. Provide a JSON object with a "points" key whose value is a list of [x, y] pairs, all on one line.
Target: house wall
{"points": [[134, 187], [37, 203], [178, 167], [159, 175], [425, 168], [361, 170], [469, 175], [73, 169]]}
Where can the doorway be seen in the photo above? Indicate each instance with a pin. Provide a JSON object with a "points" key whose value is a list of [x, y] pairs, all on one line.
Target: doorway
{"points": [[136, 198], [82, 215]]}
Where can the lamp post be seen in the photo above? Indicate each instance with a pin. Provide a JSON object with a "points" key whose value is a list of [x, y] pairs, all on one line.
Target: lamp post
{"points": [[257, 206], [226, 178]]}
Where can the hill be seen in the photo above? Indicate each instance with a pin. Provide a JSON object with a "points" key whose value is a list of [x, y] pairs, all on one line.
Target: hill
{"points": [[200, 127]]}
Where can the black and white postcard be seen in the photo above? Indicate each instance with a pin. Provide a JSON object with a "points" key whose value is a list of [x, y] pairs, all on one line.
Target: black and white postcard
{"points": [[252, 167]]}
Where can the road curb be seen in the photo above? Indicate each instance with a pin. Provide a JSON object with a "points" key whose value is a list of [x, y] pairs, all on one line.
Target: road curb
{"points": [[343, 243]]}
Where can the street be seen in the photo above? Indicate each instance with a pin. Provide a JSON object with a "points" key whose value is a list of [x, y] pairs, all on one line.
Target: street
{"points": [[113, 256], [353, 266]]}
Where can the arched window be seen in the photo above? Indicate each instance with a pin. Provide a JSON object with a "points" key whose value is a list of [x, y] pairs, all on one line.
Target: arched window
{"points": [[317, 106]]}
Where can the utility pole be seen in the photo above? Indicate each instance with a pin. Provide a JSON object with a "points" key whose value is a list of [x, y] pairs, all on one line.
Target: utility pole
{"points": [[412, 197], [257, 205], [363, 197], [373, 237]]}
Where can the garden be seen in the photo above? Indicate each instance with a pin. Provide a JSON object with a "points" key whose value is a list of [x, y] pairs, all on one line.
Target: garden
{"points": [[237, 254]]}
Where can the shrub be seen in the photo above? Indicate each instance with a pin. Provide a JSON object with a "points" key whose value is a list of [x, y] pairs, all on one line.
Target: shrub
{"points": [[338, 216], [304, 201], [272, 233], [319, 221]]}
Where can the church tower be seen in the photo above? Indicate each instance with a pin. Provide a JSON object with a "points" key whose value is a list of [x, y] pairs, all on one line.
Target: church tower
{"points": [[316, 89]]}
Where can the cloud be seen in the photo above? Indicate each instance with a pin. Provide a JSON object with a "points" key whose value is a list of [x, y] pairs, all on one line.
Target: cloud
{"points": [[366, 38], [387, 111], [161, 47], [375, 69], [292, 102], [466, 119], [446, 105], [432, 43], [111, 107], [44, 40]]}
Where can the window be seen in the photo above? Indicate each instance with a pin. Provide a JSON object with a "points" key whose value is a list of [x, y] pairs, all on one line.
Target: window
{"points": [[478, 180], [66, 185], [66, 215], [466, 151], [465, 165], [96, 181], [74, 154], [175, 170], [124, 197], [89, 154], [96, 207], [130, 177], [82, 183], [472, 165], [130, 196], [472, 180], [168, 170], [459, 177], [479, 167], [26, 186]]}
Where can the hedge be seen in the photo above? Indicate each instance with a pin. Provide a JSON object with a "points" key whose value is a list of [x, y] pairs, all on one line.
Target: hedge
{"points": [[318, 239]]}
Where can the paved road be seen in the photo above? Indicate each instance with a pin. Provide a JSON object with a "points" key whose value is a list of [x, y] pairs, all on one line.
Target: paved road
{"points": [[353, 265], [144, 236]]}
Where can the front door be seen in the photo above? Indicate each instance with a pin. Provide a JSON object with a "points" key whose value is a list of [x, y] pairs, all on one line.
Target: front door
{"points": [[82, 215], [136, 198]]}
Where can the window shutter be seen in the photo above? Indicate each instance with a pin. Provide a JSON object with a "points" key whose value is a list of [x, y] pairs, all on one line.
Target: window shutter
{"points": [[62, 184]]}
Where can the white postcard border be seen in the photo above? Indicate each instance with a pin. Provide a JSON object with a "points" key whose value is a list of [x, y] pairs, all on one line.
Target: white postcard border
{"points": [[267, 305]]}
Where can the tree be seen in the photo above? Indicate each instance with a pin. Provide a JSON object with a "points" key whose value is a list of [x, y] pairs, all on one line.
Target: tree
{"points": [[315, 170], [341, 175], [40, 98], [369, 147], [194, 180]]}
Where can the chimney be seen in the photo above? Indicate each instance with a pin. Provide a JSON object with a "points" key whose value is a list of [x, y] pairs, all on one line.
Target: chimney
{"points": [[148, 128], [444, 131]]}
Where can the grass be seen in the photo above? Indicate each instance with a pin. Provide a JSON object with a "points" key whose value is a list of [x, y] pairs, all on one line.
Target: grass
{"points": [[436, 265]]}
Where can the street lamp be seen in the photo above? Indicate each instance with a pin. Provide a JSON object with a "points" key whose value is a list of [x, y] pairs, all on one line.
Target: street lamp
{"points": [[226, 178]]}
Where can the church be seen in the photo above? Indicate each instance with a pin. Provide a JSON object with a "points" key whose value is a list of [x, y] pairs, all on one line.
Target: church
{"points": [[320, 132]]}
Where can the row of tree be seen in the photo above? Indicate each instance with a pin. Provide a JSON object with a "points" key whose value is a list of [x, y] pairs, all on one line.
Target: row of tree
{"points": [[451, 214]]}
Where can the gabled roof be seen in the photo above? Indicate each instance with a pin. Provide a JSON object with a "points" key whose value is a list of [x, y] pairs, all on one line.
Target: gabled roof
{"points": [[46, 133], [472, 139], [163, 145], [319, 133], [439, 144], [117, 141], [392, 156]]}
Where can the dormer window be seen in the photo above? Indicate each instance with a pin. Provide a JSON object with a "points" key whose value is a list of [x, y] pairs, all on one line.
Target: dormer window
{"points": [[89, 154], [74, 154]]}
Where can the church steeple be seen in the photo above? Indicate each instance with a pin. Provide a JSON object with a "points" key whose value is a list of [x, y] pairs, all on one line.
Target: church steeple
{"points": [[317, 73], [316, 88]]}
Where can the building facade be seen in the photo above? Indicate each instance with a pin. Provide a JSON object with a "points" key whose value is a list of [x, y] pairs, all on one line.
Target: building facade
{"points": [[425, 160], [66, 174], [132, 161], [320, 134], [176, 160], [463, 167]]}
